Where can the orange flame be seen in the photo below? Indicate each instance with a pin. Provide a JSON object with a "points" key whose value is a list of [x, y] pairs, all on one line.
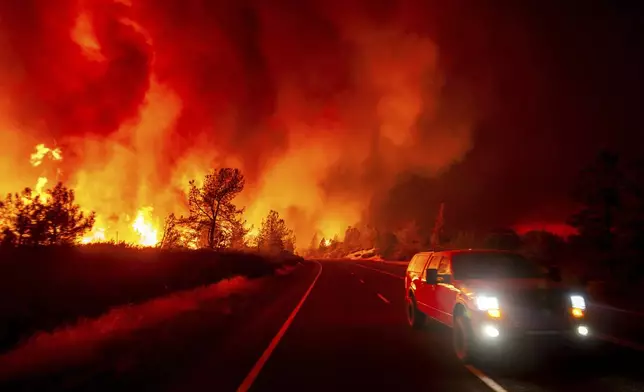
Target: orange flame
{"points": [[137, 171], [42, 152], [148, 234]]}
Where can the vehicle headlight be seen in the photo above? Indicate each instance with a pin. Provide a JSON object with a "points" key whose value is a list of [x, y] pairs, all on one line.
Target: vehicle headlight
{"points": [[489, 304], [484, 302], [578, 302], [577, 306]]}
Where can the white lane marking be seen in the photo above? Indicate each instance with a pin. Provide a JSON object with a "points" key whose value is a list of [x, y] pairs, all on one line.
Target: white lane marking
{"points": [[620, 342], [385, 300], [381, 271], [361, 281], [254, 372], [486, 380]]}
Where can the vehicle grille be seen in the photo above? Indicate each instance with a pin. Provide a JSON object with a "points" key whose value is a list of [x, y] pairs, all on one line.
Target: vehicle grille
{"points": [[546, 299], [540, 309]]}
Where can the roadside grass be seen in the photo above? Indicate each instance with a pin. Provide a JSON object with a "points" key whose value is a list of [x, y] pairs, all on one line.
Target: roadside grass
{"points": [[48, 288]]}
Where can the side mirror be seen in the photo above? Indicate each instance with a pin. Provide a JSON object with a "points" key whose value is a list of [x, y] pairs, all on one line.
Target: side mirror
{"points": [[554, 273], [431, 276]]}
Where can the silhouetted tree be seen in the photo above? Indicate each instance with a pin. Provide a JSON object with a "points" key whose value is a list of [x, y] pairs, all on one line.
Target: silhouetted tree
{"points": [[335, 248], [8, 235], [16, 217], [503, 239], [629, 219], [351, 240], [65, 222], [171, 233], [231, 230], [386, 244], [289, 242], [314, 246], [598, 192], [212, 202], [323, 246], [30, 220], [368, 237], [464, 240], [274, 236], [409, 241], [238, 233], [543, 246], [7, 238]]}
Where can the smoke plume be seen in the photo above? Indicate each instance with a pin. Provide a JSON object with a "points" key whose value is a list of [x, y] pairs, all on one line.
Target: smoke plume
{"points": [[336, 111], [320, 103]]}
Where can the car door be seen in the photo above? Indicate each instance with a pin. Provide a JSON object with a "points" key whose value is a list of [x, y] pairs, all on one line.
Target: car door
{"points": [[445, 293], [425, 297], [413, 272]]}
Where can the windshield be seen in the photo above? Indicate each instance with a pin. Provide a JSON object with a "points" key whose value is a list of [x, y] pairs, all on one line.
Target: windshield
{"points": [[489, 265]]}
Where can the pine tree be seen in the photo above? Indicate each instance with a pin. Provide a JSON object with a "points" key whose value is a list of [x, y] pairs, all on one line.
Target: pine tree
{"points": [[212, 203], [274, 236]]}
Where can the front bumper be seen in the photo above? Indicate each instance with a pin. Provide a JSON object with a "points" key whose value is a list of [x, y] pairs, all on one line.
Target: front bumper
{"points": [[502, 331]]}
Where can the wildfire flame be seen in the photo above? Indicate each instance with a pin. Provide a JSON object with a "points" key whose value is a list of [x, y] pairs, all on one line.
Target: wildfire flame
{"points": [[40, 188], [148, 234], [141, 101], [98, 235], [43, 152], [100, 188]]}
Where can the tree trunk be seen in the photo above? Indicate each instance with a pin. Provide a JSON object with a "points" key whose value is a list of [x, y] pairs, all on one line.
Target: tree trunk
{"points": [[213, 227]]}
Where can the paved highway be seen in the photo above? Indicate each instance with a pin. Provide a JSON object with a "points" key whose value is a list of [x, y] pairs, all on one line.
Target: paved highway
{"points": [[331, 326], [354, 321]]}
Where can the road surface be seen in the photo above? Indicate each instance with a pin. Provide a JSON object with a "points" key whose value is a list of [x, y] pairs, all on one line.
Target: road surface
{"points": [[330, 326]]}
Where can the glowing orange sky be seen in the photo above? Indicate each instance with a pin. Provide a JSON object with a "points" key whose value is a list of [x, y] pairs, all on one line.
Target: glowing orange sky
{"points": [[141, 98]]}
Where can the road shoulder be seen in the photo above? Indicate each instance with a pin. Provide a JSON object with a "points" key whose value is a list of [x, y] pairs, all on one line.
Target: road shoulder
{"points": [[183, 347]]}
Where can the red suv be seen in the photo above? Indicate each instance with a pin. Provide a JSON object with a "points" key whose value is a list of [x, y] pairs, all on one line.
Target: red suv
{"points": [[489, 297]]}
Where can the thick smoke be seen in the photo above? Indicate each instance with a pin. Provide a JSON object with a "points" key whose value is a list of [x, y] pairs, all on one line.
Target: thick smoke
{"points": [[553, 84], [320, 103], [337, 111]]}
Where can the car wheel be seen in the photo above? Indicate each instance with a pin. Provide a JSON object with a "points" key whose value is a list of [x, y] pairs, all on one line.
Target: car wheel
{"points": [[463, 340], [415, 318]]}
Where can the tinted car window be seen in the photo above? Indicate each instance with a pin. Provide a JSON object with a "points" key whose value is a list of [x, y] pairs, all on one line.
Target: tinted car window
{"points": [[422, 260], [412, 264], [489, 265], [443, 266], [434, 262], [417, 263], [425, 262]]}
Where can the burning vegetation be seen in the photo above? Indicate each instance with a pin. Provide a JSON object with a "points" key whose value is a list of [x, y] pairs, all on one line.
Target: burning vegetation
{"points": [[142, 99], [42, 216], [338, 115]]}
